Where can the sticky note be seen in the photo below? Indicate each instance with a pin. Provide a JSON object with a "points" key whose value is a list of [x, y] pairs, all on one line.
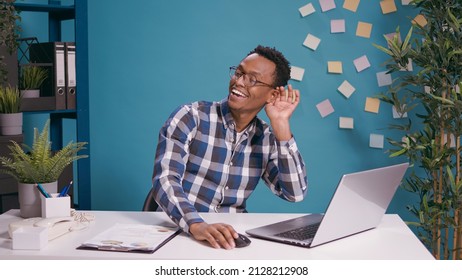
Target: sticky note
{"points": [[351, 5], [296, 73], [337, 26], [405, 2], [376, 141], [364, 29], [372, 105], [390, 37], [396, 114], [327, 5], [306, 10], [452, 138], [427, 89], [420, 20], [346, 123], [334, 67], [388, 6], [383, 79], [311, 42], [408, 67], [361, 63], [325, 108], [346, 89]]}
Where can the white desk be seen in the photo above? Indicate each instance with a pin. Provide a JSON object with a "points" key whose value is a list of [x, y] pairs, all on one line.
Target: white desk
{"points": [[391, 240]]}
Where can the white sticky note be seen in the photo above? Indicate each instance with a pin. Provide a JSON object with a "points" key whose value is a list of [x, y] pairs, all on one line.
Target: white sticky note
{"points": [[361, 63], [337, 26], [376, 141], [311, 42], [346, 89], [306, 10], [327, 5], [405, 2], [408, 67], [397, 115], [296, 73], [325, 108], [452, 138], [383, 79], [346, 123], [351, 5]]}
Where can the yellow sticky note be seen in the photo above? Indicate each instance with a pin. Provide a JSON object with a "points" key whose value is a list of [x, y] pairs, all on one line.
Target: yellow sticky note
{"points": [[364, 29], [372, 105], [351, 5], [388, 6], [420, 20], [334, 67]]}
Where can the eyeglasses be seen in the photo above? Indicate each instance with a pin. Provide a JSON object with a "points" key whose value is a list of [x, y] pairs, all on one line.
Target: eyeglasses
{"points": [[249, 79]]}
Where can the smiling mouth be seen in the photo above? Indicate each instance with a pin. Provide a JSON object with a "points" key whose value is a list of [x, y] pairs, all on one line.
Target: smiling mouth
{"points": [[237, 93]]}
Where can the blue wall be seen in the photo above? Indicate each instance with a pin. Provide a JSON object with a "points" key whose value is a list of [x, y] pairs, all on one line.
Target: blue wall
{"points": [[147, 57]]}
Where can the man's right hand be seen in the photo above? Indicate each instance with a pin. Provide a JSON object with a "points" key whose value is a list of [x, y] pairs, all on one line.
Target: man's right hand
{"points": [[218, 235]]}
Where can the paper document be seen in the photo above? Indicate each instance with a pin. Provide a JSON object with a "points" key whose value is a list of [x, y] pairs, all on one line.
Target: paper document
{"points": [[131, 238]]}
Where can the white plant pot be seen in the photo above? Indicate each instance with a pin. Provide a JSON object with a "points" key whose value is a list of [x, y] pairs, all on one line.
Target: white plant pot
{"points": [[29, 198], [30, 93], [11, 124]]}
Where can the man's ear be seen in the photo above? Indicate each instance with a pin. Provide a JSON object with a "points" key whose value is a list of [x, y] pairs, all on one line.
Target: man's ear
{"points": [[273, 96]]}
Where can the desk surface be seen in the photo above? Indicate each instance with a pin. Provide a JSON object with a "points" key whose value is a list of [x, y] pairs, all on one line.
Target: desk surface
{"points": [[392, 239]]}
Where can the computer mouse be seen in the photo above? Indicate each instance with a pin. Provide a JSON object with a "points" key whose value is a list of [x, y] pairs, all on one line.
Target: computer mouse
{"points": [[242, 241]]}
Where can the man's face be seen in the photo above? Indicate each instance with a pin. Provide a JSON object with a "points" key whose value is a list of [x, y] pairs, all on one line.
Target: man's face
{"points": [[245, 99]]}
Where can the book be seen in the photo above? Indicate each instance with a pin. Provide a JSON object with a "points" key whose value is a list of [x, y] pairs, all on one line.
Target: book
{"points": [[134, 238]]}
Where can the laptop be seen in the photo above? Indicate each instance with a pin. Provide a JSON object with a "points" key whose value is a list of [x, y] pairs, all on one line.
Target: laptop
{"points": [[358, 205]]}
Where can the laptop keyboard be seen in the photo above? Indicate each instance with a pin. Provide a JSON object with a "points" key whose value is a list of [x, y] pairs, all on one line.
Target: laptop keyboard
{"points": [[302, 233]]}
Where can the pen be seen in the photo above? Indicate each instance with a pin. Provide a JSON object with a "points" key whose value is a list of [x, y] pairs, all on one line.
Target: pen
{"points": [[65, 190], [42, 190]]}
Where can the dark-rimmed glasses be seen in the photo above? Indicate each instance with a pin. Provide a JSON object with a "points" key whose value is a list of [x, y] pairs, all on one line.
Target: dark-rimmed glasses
{"points": [[249, 79]]}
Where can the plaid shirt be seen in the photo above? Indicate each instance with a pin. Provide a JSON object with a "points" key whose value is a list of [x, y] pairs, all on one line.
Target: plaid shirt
{"points": [[200, 166]]}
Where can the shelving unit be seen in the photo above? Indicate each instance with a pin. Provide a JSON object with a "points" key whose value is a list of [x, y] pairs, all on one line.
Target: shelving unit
{"points": [[56, 14]]}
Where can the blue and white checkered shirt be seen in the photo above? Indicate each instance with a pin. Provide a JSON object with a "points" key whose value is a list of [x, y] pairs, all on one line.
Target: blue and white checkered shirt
{"points": [[201, 166]]}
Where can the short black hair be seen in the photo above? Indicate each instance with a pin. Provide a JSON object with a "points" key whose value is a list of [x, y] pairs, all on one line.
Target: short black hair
{"points": [[282, 72]]}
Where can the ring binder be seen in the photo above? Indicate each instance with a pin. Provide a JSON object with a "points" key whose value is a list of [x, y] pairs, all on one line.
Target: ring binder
{"points": [[70, 75], [55, 84]]}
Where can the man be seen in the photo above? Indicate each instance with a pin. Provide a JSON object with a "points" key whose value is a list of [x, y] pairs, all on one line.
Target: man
{"points": [[211, 155]]}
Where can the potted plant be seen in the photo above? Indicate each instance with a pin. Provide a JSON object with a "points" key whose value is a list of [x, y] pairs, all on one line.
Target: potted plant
{"points": [[431, 95], [32, 78], [38, 164], [8, 42], [10, 113]]}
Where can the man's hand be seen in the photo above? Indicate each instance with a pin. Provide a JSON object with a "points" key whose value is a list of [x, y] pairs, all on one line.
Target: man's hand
{"points": [[218, 235], [280, 110]]}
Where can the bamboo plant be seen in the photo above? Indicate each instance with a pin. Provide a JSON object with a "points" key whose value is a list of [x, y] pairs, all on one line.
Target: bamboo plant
{"points": [[431, 95], [40, 164], [10, 100]]}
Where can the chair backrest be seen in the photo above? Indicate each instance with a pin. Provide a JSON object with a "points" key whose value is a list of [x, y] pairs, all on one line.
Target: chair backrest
{"points": [[150, 203]]}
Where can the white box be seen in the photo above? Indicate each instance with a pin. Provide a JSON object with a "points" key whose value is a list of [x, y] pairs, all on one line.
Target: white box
{"points": [[56, 206], [30, 238]]}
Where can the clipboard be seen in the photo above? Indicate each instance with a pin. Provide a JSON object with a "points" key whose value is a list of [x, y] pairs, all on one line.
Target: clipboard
{"points": [[131, 238]]}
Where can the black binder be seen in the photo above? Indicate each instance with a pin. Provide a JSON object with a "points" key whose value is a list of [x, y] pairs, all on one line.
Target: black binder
{"points": [[55, 84], [71, 82]]}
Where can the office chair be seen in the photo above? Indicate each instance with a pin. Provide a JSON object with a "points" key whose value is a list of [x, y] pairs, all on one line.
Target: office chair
{"points": [[149, 203]]}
